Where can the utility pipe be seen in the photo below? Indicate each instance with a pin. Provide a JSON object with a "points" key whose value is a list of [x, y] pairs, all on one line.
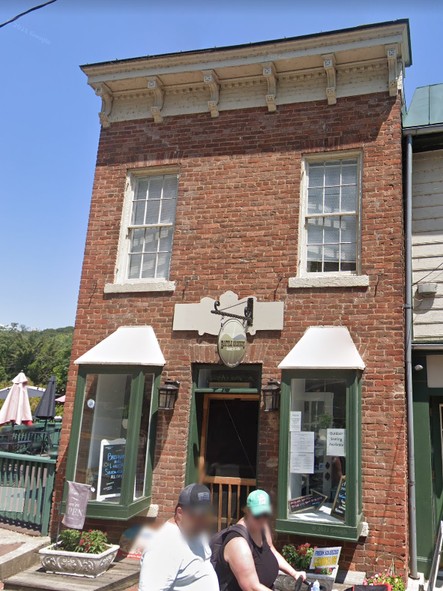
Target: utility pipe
{"points": [[408, 345]]}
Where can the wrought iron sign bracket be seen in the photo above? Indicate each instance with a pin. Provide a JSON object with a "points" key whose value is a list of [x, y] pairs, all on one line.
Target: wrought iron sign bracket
{"points": [[248, 316]]}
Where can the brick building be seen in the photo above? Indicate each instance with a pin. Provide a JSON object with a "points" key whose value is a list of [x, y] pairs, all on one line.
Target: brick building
{"points": [[267, 178]]}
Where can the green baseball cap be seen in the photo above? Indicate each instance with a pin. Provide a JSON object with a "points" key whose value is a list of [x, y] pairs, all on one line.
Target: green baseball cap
{"points": [[259, 503]]}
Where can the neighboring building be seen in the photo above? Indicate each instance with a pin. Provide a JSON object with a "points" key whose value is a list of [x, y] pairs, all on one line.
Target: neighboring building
{"points": [[424, 124], [272, 171]]}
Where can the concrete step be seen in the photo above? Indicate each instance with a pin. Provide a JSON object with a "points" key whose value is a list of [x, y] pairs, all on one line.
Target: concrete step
{"points": [[18, 552]]}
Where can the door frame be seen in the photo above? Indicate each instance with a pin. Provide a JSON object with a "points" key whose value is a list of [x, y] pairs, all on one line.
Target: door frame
{"points": [[193, 462], [205, 419]]}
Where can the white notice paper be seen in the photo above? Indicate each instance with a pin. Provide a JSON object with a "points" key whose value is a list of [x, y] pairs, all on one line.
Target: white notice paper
{"points": [[295, 421], [302, 452], [336, 442]]}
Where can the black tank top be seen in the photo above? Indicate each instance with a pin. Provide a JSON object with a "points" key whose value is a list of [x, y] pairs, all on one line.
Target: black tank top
{"points": [[265, 562]]}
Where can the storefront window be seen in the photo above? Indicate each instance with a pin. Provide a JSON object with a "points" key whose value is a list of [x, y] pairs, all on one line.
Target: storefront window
{"points": [[320, 454], [143, 442], [112, 439], [317, 450], [102, 444]]}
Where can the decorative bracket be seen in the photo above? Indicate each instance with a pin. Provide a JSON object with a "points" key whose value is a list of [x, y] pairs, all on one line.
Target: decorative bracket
{"points": [[270, 73], [211, 80], [156, 88], [248, 315], [391, 55], [331, 75], [105, 93]]}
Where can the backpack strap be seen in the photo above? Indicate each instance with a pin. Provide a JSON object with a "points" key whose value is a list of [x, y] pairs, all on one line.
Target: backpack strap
{"points": [[243, 532]]}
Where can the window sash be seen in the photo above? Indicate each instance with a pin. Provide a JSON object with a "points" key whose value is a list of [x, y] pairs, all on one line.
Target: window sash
{"points": [[150, 231], [341, 253]]}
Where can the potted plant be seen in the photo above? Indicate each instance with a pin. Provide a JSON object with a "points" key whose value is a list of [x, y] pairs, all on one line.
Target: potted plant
{"points": [[84, 554], [388, 577], [299, 557]]}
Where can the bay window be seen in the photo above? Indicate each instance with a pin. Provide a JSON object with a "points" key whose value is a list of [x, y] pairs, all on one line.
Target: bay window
{"points": [[319, 468]]}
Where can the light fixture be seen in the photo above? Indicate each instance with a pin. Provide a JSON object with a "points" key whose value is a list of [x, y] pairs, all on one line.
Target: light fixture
{"points": [[271, 395], [167, 395]]}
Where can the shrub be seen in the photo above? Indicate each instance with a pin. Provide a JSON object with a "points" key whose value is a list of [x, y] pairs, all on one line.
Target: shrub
{"points": [[299, 557], [387, 577], [93, 541]]}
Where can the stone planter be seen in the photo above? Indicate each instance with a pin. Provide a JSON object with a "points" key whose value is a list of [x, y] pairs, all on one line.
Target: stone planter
{"points": [[77, 564]]}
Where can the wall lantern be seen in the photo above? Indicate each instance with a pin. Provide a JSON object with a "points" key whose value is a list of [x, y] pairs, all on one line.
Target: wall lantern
{"points": [[271, 395], [167, 395]]}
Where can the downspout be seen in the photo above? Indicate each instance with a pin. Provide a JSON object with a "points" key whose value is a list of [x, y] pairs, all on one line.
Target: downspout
{"points": [[408, 346]]}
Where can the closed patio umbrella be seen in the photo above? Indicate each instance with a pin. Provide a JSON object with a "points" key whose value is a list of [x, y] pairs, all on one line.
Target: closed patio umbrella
{"points": [[16, 408], [46, 406]]}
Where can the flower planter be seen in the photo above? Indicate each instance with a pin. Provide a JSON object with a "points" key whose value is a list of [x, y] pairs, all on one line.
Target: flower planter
{"points": [[77, 564]]}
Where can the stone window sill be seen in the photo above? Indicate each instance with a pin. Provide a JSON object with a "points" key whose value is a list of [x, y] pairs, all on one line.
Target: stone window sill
{"points": [[142, 287], [328, 281]]}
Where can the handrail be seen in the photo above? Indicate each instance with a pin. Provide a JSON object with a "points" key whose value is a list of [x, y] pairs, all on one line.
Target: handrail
{"points": [[7, 455], [436, 559], [230, 480]]}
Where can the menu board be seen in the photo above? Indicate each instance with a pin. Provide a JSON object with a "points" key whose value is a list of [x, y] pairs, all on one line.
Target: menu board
{"points": [[339, 505], [312, 501], [110, 473]]}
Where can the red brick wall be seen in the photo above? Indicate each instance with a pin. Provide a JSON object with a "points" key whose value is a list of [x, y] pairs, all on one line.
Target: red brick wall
{"points": [[237, 228]]}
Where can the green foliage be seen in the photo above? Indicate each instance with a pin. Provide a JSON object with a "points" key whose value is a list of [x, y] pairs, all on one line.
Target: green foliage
{"points": [[69, 539], [387, 577], [299, 557], [93, 541], [39, 353]]}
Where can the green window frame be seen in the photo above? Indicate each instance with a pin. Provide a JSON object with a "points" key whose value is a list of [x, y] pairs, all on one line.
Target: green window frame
{"points": [[351, 528], [127, 506]]}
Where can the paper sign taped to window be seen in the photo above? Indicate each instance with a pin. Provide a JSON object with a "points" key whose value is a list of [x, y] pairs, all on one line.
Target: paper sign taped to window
{"points": [[325, 557], [295, 420], [336, 442], [302, 452]]}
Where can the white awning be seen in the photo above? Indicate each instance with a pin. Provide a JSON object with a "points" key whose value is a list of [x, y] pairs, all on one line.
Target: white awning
{"points": [[128, 345], [324, 347]]}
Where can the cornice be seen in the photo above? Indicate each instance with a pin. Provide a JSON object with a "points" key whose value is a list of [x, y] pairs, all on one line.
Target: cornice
{"points": [[329, 68]]}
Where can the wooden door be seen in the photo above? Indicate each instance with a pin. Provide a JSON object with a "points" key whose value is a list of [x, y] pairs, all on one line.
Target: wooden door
{"points": [[228, 452]]}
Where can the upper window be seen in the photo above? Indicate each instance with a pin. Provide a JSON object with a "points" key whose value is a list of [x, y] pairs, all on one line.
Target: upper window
{"points": [[331, 216], [146, 245]]}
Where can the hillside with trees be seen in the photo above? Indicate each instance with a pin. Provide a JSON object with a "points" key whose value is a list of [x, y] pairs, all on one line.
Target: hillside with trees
{"points": [[39, 353]]}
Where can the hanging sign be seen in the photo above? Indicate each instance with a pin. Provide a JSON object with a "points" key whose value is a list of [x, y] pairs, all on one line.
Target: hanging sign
{"points": [[232, 342], [76, 505]]}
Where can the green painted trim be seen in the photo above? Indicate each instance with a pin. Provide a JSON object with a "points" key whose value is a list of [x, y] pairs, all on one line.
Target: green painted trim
{"points": [[316, 530], [127, 507], [193, 440], [226, 390], [350, 529]]}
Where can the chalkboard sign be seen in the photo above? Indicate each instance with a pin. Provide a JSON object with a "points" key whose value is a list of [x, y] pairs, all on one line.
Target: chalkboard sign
{"points": [[339, 505], [312, 501], [110, 472]]}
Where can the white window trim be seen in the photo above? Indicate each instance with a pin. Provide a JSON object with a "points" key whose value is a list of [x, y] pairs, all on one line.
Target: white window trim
{"points": [[121, 282], [304, 279]]}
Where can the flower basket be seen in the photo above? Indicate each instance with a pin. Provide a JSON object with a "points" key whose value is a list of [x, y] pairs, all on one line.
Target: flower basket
{"points": [[60, 562]]}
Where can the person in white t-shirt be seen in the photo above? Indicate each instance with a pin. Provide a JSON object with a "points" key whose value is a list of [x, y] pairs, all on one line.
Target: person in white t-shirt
{"points": [[179, 557]]}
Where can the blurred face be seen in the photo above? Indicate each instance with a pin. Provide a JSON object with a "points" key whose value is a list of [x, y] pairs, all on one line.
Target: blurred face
{"points": [[256, 524], [193, 523]]}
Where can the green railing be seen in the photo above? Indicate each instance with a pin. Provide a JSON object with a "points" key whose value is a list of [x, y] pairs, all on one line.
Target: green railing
{"points": [[26, 487]]}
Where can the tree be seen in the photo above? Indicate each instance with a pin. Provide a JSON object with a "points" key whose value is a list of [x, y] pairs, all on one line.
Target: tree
{"points": [[39, 353]]}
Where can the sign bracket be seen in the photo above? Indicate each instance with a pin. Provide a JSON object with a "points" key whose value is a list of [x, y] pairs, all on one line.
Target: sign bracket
{"points": [[248, 314]]}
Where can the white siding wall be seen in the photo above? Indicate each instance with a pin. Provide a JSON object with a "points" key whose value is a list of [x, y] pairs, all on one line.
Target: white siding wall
{"points": [[427, 243]]}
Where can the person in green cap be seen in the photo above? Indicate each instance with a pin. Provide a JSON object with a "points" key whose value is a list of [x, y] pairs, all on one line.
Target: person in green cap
{"points": [[247, 559]]}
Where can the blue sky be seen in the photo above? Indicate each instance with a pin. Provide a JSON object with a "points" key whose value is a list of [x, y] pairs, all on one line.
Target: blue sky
{"points": [[50, 129]]}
